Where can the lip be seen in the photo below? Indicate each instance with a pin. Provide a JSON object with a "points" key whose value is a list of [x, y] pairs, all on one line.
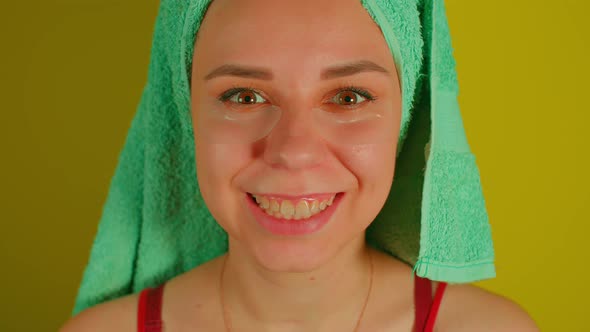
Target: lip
{"points": [[292, 227], [281, 197]]}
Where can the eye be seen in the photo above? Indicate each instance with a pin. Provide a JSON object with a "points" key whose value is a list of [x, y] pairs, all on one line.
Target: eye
{"points": [[242, 96], [351, 96]]}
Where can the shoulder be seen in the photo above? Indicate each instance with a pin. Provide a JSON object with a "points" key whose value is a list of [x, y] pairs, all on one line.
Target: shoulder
{"points": [[179, 305], [466, 307], [115, 315]]}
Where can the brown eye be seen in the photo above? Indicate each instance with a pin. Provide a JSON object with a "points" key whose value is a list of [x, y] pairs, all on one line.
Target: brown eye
{"points": [[247, 97], [242, 97], [347, 98], [350, 98]]}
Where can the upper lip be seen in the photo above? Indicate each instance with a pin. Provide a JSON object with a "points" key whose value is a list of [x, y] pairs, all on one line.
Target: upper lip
{"points": [[295, 197]]}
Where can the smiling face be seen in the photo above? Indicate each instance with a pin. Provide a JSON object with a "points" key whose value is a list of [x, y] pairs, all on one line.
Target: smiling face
{"points": [[296, 56]]}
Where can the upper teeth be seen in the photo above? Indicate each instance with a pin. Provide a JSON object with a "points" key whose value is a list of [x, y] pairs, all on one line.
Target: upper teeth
{"points": [[286, 209]]}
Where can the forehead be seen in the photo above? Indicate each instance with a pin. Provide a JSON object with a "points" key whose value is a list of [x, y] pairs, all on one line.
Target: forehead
{"points": [[299, 35]]}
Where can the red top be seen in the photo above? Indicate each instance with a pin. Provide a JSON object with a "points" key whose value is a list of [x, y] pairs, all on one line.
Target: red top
{"points": [[150, 306]]}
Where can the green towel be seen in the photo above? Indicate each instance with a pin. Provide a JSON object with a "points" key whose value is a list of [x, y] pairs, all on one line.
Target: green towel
{"points": [[155, 225]]}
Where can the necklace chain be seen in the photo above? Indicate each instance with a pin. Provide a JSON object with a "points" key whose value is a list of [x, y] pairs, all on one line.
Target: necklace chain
{"points": [[225, 311]]}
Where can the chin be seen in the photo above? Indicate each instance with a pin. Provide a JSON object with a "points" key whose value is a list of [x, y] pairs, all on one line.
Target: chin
{"points": [[295, 254], [299, 256]]}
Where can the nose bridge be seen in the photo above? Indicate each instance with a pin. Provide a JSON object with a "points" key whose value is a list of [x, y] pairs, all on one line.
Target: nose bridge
{"points": [[293, 142], [296, 121]]}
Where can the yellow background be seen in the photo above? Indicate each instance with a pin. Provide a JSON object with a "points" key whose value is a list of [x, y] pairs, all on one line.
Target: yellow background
{"points": [[71, 74]]}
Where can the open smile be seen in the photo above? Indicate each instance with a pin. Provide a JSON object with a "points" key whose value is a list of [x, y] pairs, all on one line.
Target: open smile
{"points": [[282, 215]]}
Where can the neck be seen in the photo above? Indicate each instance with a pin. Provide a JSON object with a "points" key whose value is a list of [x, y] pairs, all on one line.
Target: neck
{"points": [[260, 299]]}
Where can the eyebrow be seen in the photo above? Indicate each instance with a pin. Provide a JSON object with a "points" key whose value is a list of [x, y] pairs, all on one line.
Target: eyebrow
{"points": [[260, 73]]}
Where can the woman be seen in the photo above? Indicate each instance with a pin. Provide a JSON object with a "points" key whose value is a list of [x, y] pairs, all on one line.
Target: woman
{"points": [[297, 113]]}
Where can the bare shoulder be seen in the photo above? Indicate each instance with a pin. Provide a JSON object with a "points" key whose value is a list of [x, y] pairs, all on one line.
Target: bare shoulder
{"points": [[188, 300], [115, 315], [466, 307]]}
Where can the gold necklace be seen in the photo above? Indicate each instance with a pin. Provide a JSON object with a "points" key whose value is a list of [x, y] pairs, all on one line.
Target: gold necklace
{"points": [[226, 317]]}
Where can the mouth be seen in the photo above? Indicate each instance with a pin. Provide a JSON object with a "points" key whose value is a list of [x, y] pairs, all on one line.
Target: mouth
{"points": [[288, 215]]}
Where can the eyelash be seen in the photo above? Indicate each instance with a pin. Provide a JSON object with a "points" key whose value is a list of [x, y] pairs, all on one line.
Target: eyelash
{"points": [[225, 96]]}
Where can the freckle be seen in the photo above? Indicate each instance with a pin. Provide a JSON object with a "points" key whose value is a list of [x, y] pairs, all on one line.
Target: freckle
{"points": [[312, 278]]}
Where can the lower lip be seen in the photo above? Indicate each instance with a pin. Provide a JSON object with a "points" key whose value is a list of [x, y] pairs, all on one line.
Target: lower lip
{"points": [[292, 227]]}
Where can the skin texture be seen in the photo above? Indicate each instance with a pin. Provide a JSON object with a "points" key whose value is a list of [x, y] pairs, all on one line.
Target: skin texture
{"points": [[316, 282]]}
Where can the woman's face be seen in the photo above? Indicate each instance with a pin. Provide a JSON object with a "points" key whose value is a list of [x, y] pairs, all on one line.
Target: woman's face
{"points": [[295, 42]]}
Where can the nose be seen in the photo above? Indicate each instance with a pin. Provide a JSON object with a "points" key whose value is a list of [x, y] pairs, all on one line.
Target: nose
{"points": [[294, 142]]}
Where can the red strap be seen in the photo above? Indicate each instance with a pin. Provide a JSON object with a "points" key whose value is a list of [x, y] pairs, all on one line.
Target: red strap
{"points": [[141, 310], [422, 302], [149, 311], [435, 305]]}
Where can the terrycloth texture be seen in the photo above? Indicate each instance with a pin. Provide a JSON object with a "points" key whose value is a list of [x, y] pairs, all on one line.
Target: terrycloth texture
{"points": [[155, 224]]}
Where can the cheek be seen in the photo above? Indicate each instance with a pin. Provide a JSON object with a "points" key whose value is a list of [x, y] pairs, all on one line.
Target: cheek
{"points": [[217, 165], [373, 166]]}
